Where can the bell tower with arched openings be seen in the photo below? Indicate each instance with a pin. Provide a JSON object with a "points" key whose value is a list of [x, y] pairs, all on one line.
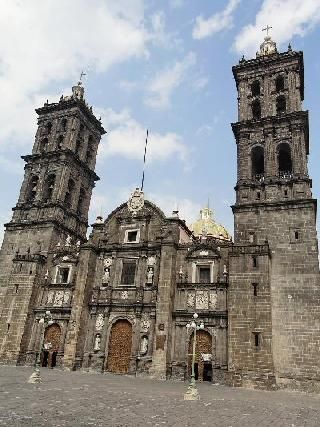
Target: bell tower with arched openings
{"points": [[274, 297], [53, 206]]}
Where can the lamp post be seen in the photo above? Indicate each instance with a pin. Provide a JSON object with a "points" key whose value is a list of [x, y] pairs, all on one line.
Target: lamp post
{"points": [[192, 391], [46, 320]]}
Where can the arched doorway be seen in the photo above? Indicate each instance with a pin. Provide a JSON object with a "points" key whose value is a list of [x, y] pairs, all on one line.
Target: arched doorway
{"points": [[203, 363], [120, 343], [51, 344]]}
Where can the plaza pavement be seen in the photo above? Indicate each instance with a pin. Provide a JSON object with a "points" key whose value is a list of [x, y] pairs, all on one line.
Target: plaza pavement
{"points": [[83, 399]]}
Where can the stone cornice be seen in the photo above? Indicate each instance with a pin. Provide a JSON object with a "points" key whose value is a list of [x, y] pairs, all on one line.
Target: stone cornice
{"points": [[67, 104], [285, 204], [267, 60], [55, 156], [270, 121]]}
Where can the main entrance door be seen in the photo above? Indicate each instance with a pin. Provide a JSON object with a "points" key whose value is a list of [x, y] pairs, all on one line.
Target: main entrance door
{"points": [[203, 370], [52, 338], [120, 343]]}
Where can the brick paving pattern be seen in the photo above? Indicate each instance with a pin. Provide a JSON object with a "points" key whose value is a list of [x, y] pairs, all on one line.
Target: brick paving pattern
{"points": [[82, 399]]}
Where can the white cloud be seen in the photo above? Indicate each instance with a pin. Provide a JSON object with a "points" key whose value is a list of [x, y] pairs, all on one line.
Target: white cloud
{"points": [[287, 17], [128, 86], [176, 4], [188, 210], [160, 35], [126, 137], [52, 40], [218, 22], [166, 81], [200, 83]]}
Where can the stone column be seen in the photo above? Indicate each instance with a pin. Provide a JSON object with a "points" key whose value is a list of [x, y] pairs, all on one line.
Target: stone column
{"points": [[76, 333], [162, 341]]}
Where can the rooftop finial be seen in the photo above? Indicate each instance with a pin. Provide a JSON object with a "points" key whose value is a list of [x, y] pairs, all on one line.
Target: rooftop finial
{"points": [[81, 75], [78, 91], [268, 46], [267, 28]]}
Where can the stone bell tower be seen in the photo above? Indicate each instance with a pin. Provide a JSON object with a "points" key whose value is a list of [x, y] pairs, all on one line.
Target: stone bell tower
{"points": [[53, 204], [274, 265]]}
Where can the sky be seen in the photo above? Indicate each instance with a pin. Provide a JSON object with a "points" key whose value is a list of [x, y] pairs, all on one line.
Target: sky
{"points": [[162, 65]]}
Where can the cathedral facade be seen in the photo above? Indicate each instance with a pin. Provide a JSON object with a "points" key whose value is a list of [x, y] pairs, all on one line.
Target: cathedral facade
{"points": [[121, 299]]}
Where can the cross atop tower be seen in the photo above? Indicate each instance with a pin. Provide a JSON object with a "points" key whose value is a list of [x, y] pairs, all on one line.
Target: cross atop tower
{"points": [[267, 28], [82, 75]]}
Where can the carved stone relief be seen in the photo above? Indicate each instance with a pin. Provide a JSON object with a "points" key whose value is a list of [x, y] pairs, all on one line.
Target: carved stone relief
{"points": [[124, 295], [50, 297], [213, 301], [99, 322], [58, 298], [131, 318], [202, 300], [190, 300], [66, 297], [145, 323]]}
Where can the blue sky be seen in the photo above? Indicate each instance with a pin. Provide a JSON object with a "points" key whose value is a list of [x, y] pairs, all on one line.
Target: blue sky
{"points": [[164, 65]]}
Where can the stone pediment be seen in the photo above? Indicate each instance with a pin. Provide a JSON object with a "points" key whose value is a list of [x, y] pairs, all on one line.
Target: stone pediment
{"points": [[203, 251], [65, 257]]}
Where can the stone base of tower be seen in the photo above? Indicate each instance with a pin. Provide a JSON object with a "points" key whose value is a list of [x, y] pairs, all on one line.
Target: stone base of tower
{"points": [[252, 380]]}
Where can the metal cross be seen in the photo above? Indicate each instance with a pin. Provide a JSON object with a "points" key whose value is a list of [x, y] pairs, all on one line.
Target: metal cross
{"points": [[267, 29], [82, 74]]}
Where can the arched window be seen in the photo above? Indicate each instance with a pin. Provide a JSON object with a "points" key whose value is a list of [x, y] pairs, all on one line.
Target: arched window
{"points": [[49, 127], [284, 160], [90, 151], [255, 88], [256, 109], [81, 130], [48, 187], [279, 84], [81, 201], [281, 104], [257, 162], [32, 190], [64, 123], [44, 145], [78, 145], [68, 197], [60, 142]]}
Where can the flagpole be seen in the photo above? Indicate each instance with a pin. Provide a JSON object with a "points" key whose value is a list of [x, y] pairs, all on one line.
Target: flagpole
{"points": [[144, 160]]}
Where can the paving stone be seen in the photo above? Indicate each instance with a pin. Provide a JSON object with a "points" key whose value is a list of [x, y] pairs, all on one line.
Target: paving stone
{"points": [[120, 401]]}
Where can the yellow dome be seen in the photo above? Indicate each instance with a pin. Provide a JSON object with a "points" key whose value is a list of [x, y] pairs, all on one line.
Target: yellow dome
{"points": [[206, 225]]}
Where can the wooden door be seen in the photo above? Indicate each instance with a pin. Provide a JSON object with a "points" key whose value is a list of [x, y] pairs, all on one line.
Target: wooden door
{"points": [[120, 344], [52, 339], [203, 345]]}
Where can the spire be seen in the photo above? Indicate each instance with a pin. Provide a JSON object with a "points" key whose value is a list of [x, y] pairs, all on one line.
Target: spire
{"points": [[268, 46]]}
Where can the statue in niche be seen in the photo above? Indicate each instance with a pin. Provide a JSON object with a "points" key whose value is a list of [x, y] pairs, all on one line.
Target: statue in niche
{"points": [[145, 323], [151, 261], [106, 268], [106, 276], [97, 342], [68, 240], [144, 346], [150, 275]]}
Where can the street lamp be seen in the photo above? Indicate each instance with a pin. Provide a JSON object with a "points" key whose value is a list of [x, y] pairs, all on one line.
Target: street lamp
{"points": [[46, 320], [192, 391]]}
